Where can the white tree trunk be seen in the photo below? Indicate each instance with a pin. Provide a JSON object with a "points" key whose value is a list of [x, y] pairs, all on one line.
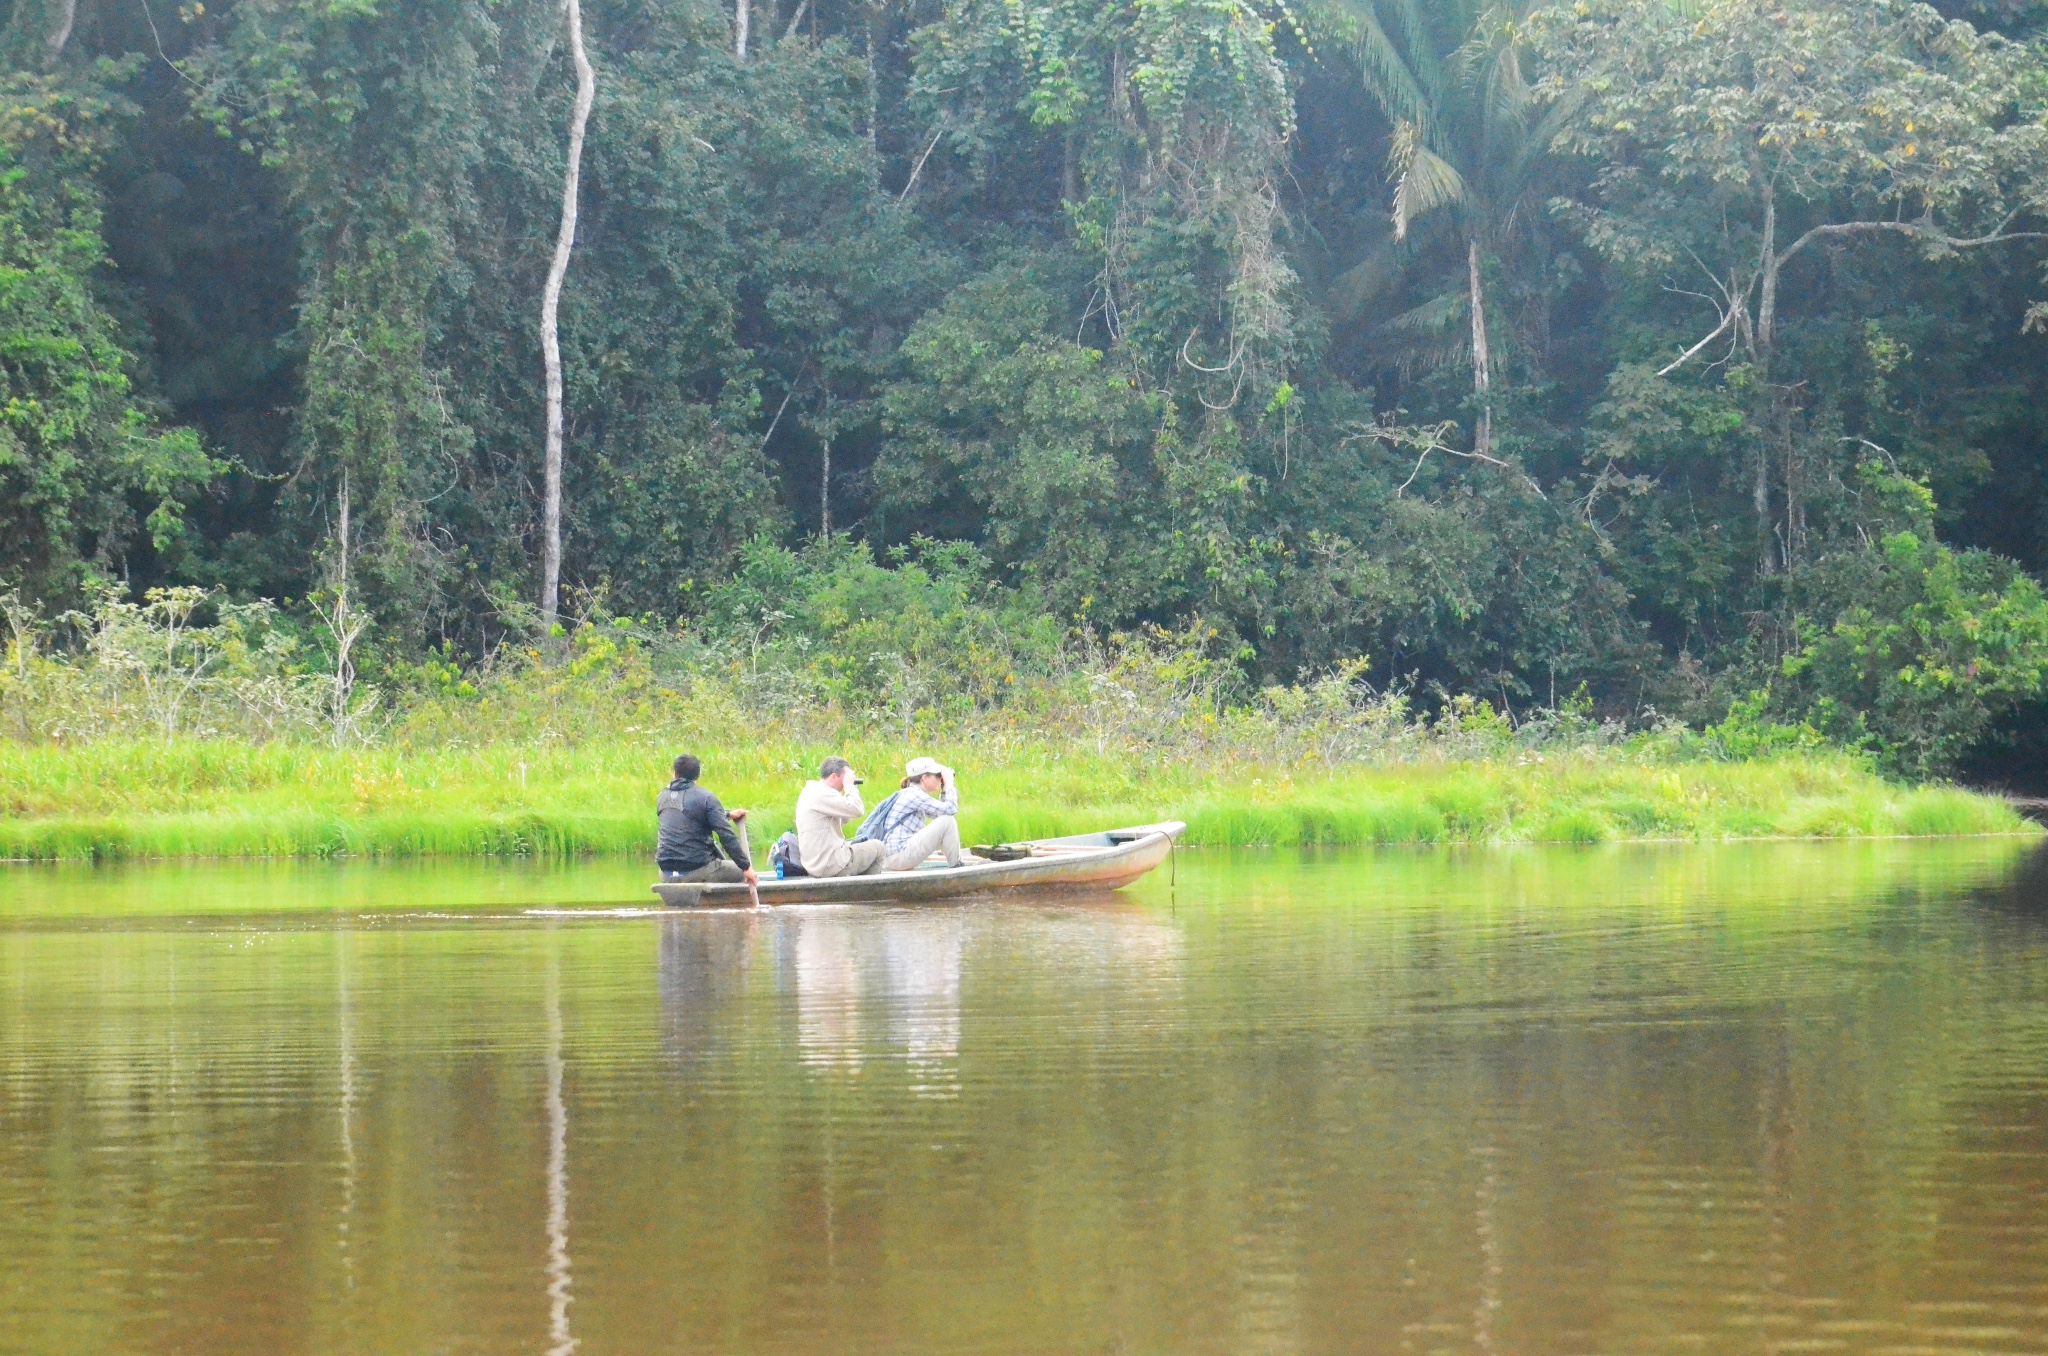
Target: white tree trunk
{"points": [[825, 494], [742, 25], [1482, 375], [874, 100], [347, 627], [1766, 341], [66, 17], [550, 329], [1767, 291], [341, 540]]}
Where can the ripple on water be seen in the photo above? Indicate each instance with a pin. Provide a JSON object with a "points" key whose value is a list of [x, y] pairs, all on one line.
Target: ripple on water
{"points": [[1715, 1099]]}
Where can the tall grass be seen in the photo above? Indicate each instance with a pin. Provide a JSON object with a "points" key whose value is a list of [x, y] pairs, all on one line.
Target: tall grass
{"points": [[210, 798], [561, 751]]}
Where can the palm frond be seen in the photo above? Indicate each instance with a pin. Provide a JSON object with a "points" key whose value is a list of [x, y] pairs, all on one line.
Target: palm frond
{"points": [[1504, 107], [1412, 18], [1365, 281], [1388, 77], [1508, 95], [1493, 90], [1423, 180], [1443, 313], [1536, 143], [1424, 338], [1434, 356], [1469, 60]]}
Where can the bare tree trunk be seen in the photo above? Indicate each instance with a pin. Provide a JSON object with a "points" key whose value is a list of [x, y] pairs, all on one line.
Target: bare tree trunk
{"points": [[60, 31], [1766, 335], [1767, 298], [742, 24], [825, 495], [346, 624], [344, 629], [874, 99], [1794, 519], [341, 561], [1482, 375], [550, 311], [1760, 500]]}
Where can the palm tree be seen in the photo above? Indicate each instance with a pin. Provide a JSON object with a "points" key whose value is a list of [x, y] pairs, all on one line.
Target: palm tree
{"points": [[1468, 145]]}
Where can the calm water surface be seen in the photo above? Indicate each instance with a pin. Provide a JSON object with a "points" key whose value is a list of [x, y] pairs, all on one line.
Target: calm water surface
{"points": [[1714, 1099]]}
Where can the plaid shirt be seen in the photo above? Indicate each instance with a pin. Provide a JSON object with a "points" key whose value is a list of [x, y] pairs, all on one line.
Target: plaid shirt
{"points": [[910, 810]]}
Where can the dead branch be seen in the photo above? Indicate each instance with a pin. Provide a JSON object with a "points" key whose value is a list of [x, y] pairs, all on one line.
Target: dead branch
{"points": [[918, 168]]}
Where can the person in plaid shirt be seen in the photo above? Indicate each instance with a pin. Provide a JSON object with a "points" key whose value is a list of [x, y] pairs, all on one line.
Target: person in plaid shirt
{"points": [[919, 818]]}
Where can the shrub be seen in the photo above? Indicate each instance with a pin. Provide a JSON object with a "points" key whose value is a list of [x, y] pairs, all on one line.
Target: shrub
{"points": [[1912, 649]]}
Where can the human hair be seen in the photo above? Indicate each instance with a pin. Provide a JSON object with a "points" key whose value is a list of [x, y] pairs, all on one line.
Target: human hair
{"points": [[687, 767], [831, 767]]}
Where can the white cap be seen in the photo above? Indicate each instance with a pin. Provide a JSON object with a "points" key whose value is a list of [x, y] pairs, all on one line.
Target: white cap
{"points": [[919, 767]]}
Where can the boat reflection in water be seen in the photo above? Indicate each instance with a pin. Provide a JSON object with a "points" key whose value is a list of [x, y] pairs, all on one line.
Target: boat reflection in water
{"points": [[873, 984], [701, 971], [908, 965], [1633, 1099], [921, 963]]}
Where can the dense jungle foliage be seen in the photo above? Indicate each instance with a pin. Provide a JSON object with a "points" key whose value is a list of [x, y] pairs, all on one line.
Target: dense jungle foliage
{"points": [[1675, 356]]}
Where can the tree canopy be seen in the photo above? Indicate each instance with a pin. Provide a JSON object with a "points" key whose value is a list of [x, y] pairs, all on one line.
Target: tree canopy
{"points": [[1664, 351]]}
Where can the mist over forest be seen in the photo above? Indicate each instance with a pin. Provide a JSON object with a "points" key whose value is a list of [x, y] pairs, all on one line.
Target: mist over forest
{"points": [[1661, 356]]}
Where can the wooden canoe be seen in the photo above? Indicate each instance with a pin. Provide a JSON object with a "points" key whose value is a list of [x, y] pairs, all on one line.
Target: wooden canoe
{"points": [[1089, 861]]}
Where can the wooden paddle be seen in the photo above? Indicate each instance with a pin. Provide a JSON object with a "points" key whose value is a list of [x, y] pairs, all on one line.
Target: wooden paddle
{"points": [[740, 824]]}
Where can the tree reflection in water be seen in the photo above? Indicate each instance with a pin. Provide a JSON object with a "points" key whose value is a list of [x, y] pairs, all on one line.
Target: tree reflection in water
{"points": [[561, 1343]]}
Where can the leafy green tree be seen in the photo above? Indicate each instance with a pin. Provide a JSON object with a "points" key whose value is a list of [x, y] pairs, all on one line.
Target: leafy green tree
{"points": [[1742, 137], [88, 472], [371, 114], [731, 309], [735, 262], [1047, 440], [1911, 647], [1090, 409], [1469, 144], [1173, 312], [932, 629], [35, 35], [1171, 121]]}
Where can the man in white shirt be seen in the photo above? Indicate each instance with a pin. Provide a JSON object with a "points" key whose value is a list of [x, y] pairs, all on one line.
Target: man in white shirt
{"points": [[823, 811]]}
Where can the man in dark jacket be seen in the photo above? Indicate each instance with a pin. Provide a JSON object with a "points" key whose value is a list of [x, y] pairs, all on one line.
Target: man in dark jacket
{"points": [[688, 816]]}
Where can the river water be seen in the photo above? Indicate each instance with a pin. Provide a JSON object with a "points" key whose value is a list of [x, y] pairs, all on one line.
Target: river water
{"points": [[1744, 1099]]}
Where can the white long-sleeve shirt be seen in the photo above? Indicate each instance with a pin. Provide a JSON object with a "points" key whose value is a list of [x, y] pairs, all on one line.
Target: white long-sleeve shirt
{"points": [[822, 815]]}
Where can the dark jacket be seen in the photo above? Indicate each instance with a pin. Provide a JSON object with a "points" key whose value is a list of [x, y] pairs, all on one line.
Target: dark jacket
{"points": [[688, 816]]}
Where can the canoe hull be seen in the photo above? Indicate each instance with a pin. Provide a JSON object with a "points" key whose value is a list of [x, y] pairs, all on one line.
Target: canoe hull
{"points": [[1090, 862]]}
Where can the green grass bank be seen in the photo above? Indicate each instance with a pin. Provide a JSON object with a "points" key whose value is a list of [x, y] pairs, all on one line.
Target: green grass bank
{"points": [[119, 799]]}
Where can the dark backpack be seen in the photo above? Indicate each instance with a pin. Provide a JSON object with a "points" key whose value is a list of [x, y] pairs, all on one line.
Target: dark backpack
{"points": [[783, 857]]}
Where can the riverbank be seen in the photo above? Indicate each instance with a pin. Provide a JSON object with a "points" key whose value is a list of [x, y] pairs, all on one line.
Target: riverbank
{"points": [[117, 800]]}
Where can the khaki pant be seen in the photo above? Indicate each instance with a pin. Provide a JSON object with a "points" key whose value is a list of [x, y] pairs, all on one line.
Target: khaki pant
{"points": [[941, 835], [867, 859]]}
